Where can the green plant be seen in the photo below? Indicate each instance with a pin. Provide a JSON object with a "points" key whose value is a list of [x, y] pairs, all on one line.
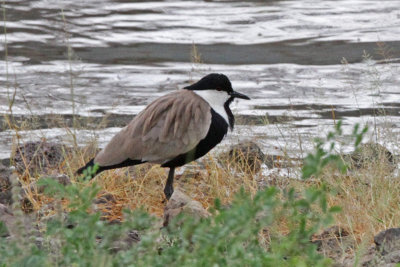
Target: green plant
{"points": [[315, 162], [230, 237], [248, 233]]}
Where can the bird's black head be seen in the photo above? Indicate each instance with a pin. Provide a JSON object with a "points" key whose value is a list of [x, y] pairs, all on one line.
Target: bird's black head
{"points": [[213, 81], [216, 81], [217, 90]]}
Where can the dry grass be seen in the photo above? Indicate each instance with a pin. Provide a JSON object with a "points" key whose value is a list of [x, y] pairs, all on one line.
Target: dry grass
{"points": [[369, 197], [142, 185], [370, 200]]}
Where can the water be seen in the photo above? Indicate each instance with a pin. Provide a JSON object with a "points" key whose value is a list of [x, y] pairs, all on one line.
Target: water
{"points": [[111, 58]]}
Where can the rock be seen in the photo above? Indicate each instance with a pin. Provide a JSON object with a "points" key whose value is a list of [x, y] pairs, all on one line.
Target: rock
{"points": [[392, 257], [34, 189], [15, 188], [181, 203], [104, 204], [388, 241], [6, 217], [5, 185], [105, 198], [334, 242], [132, 237], [245, 157], [369, 154], [386, 251], [269, 160], [390, 260], [26, 205], [17, 224], [365, 260], [60, 178], [38, 156]]}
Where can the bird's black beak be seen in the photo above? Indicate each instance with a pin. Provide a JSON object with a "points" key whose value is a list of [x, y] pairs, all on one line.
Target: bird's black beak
{"points": [[239, 95]]}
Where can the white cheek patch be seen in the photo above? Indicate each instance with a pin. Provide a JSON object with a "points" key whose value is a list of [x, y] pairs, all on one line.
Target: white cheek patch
{"points": [[216, 99]]}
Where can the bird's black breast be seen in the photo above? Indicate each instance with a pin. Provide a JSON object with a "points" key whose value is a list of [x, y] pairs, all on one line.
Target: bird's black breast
{"points": [[217, 131]]}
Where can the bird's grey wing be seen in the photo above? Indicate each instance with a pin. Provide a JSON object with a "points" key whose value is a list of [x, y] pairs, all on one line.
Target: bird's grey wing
{"points": [[171, 125], [177, 129]]}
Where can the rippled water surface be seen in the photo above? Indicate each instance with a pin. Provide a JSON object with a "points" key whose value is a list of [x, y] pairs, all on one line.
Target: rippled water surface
{"points": [[305, 64]]}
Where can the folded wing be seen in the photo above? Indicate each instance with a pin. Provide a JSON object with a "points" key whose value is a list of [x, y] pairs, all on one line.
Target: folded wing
{"points": [[170, 126]]}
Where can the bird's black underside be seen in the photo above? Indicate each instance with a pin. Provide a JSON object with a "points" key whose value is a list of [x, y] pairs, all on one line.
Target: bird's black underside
{"points": [[218, 129]]}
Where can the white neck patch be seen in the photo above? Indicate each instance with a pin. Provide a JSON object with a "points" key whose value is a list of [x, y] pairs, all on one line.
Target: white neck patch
{"points": [[216, 99]]}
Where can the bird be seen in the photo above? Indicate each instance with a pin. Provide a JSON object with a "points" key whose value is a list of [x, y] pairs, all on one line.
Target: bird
{"points": [[174, 129]]}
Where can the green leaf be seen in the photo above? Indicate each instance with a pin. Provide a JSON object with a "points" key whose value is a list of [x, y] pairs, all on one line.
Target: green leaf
{"points": [[335, 209], [3, 229]]}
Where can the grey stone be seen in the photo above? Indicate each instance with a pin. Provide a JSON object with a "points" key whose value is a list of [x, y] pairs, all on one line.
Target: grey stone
{"points": [[181, 203], [370, 153], [105, 198], [334, 242], [385, 252], [126, 242], [5, 185], [388, 241], [6, 217], [104, 205], [60, 178], [245, 157], [6, 197], [38, 157], [392, 257], [26, 204], [17, 224]]}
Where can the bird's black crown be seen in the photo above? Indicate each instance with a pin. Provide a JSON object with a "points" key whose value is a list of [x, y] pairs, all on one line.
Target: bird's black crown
{"points": [[213, 81]]}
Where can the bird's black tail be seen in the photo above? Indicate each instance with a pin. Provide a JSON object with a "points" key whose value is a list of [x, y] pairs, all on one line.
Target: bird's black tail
{"points": [[93, 173], [89, 167]]}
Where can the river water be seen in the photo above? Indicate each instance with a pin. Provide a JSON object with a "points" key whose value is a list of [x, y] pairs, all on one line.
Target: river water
{"points": [[305, 64]]}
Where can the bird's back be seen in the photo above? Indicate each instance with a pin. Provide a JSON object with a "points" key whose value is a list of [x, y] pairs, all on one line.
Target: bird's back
{"points": [[170, 126]]}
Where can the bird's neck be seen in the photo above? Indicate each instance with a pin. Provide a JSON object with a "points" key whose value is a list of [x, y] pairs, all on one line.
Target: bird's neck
{"points": [[219, 101], [228, 111]]}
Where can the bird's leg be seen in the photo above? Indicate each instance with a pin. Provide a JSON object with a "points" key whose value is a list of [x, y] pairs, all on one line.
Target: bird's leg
{"points": [[169, 186]]}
